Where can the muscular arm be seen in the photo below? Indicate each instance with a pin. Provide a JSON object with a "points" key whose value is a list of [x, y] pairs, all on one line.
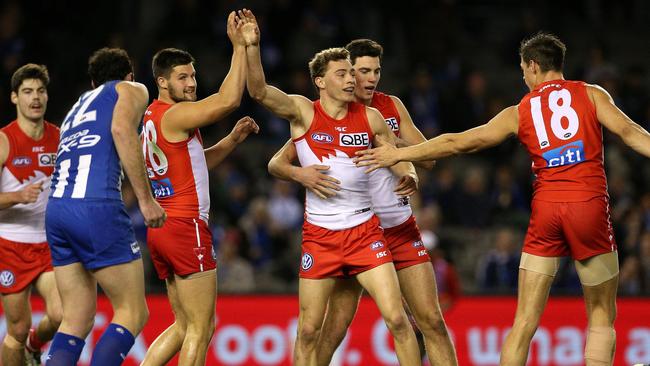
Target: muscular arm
{"points": [[215, 154], [186, 116], [616, 121], [409, 133], [502, 126], [28, 194], [312, 177], [127, 114]]}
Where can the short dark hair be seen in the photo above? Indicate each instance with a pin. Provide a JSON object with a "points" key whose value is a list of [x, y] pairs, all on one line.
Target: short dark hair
{"points": [[545, 49], [318, 64], [29, 71], [108, 64], [166, 59], [364, 47]]}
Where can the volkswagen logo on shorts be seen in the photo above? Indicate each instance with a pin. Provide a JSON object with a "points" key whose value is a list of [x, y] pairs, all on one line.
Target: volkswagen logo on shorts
{"points": [[7, 278], [307, 262]]}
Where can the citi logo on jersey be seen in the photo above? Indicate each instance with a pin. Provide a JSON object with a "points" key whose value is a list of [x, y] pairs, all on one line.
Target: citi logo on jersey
{"points": [[21, 161], [572, 153], [162, 188], [322, 137], [354, 139]]}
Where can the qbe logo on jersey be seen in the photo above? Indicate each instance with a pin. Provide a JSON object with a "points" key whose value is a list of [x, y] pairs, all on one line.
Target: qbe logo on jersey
{"points": [[360, 139], [572, 153]]}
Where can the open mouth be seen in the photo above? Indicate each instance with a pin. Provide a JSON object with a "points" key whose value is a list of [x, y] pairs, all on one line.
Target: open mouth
{"points": [[349, 89]]}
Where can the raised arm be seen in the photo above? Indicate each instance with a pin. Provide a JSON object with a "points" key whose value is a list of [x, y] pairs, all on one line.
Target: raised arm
{"points": [[312, 177], [186, 116], [281, 104], [408, 183], [502, 126], [616, 121], [215, 154], [409, 133], [127, 114], [28, 194]]}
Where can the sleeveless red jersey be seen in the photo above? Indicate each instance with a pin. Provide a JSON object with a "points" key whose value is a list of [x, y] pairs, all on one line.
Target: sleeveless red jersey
{"points": [[391, 209], [29, 161], [384, 103], [559, 127], [177, 170], [334, 142]]}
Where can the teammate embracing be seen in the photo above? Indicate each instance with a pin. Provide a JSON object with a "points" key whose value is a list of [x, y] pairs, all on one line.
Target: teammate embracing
{"points": [[560, 124]]}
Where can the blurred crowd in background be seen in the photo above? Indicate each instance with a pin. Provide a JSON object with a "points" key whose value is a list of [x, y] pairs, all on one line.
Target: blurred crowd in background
{"points": [[454, 64]]}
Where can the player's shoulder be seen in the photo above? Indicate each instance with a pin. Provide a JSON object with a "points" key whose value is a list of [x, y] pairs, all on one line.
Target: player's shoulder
{"points": [[132, 89], [4, 147]]}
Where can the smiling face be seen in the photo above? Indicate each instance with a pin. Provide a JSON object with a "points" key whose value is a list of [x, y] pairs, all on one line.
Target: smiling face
{"points": [[338, 82], [181, 84], [30, 100], [367, 72]]}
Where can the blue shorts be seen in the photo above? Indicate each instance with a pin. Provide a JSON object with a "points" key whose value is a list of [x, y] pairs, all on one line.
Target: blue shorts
{"points": [[97, 233]]}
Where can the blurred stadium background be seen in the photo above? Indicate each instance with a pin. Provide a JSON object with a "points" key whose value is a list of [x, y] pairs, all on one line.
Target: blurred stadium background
{"points": [[454, 64]]}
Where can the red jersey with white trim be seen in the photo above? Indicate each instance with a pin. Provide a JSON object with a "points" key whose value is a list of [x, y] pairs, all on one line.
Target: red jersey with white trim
{"points": [[29, 161], [177, 170], [559, 127], [334, 143], [391, 209]]}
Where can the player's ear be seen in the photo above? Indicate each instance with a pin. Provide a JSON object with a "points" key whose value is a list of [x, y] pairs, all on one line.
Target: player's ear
{"points": [[320, 83], [129, 77], [162, 82], [14, 97]]}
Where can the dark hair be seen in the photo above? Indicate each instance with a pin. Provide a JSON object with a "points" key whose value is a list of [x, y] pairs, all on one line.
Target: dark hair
{"points": [[29, 71], [108, 64], [166, 59], [545, 49], [318, 64], [364, 47]]}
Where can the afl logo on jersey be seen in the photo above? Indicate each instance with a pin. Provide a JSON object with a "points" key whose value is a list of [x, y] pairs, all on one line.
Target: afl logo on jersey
{"points": [[322, 137], [21, 161], [354, 139], [7, 278], [307, 262]]}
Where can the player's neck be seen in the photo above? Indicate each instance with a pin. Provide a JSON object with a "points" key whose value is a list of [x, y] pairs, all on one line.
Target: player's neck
{"points": [[31, 128], [366, 102], [165, 98], [549, 76], [334, 108]]}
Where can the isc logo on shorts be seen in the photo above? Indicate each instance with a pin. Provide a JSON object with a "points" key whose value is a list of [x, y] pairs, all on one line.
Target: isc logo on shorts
{"points": [[422, 253], [568, 154], [307, 262], [7, 278], [382, 254], [354, 139]]}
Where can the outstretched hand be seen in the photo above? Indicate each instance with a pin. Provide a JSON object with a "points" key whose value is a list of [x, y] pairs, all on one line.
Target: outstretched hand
{"points": [[380, 157], [243, 128], [234, 30], [249, 28]]}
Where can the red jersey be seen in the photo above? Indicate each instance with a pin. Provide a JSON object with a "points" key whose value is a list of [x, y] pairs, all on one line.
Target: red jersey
{"points": [[29, 161], [334, 142], [559, 127], [177, 170], [384, 103]]}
